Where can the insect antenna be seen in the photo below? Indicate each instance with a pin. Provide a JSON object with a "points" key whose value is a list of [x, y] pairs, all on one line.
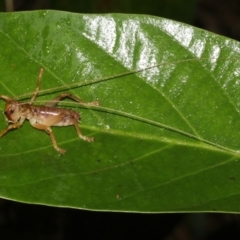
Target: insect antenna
{"points": [[119, 75]]}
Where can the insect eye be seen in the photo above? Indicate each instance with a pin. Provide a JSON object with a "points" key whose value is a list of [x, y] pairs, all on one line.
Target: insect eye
{"points": [[11, 111]]}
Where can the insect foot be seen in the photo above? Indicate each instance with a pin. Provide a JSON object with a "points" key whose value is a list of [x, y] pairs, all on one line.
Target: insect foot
{"points": [[45, 116], [88, 139]]}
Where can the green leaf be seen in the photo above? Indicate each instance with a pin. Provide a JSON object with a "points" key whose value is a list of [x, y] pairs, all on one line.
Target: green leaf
{"points": [[166, 132]]}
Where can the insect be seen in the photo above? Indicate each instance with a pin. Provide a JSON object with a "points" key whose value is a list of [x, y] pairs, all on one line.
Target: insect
{"points": [[44, 117]]}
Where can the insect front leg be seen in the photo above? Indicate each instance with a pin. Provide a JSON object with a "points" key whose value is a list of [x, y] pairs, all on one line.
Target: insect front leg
{"points": [[49, 131], [38, 86], [60, 97], [13, 126]]}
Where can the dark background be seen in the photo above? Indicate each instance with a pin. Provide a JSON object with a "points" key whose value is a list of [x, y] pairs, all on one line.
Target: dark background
{"points": [[23, 221]]}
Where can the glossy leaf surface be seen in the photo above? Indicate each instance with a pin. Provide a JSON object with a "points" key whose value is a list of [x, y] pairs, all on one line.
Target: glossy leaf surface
{"points": [[166, 139]]}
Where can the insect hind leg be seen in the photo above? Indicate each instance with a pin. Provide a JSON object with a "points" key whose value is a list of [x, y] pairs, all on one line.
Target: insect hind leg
{"points": [[62, 96]]}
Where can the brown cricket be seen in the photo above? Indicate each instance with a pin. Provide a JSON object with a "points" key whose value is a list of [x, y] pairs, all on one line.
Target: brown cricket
{"points": [[43, 117]]}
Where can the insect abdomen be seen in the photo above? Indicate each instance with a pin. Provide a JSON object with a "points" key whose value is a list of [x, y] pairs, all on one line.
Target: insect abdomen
{"points": [[51, 116]]}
